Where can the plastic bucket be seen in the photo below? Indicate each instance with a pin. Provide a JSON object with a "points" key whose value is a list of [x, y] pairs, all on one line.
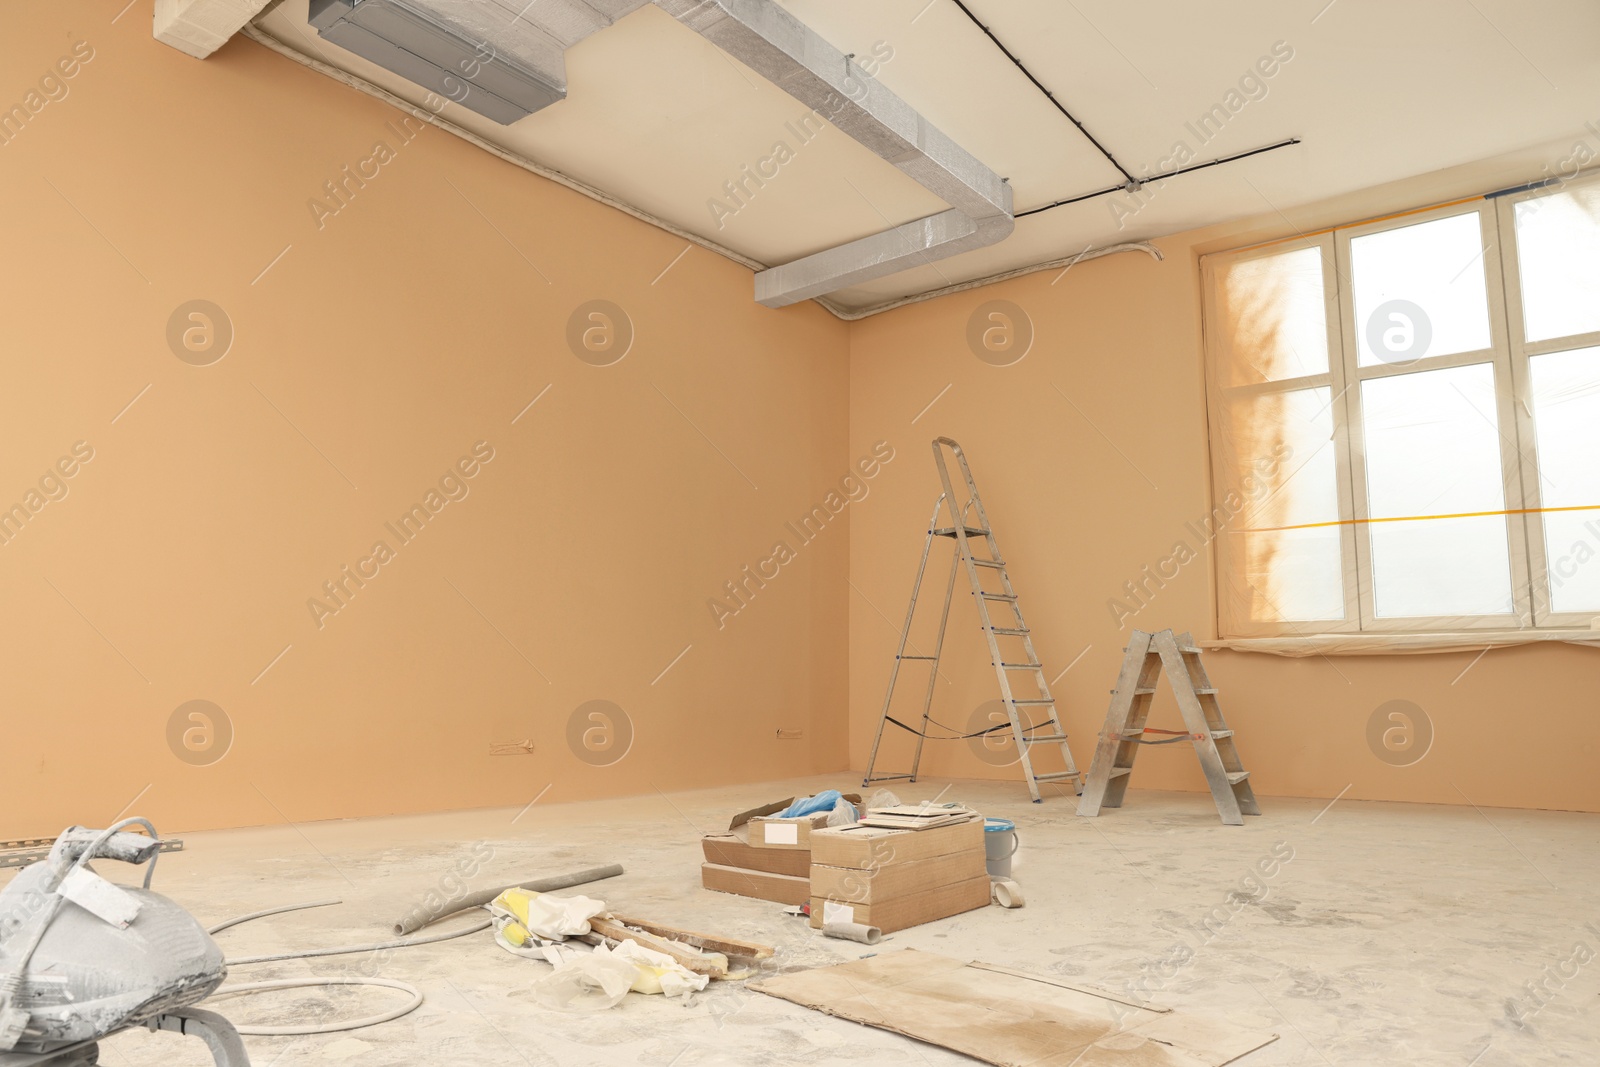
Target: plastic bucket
{"points": [[999, 845]]}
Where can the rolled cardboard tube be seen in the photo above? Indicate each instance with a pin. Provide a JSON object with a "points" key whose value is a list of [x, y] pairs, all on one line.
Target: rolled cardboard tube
{"points": [[423, 913], [1008, 894], [867, 935]]}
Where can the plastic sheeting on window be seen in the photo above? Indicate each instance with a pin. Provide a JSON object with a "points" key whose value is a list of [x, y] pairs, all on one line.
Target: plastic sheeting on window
{"points": [[1275, 520]]}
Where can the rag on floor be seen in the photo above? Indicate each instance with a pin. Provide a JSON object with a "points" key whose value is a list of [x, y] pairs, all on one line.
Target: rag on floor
{"points": [[533, 925]]}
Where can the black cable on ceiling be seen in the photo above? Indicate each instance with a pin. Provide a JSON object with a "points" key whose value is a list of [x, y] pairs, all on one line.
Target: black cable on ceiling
{"points": [[1163, 176], [1052, 96], [1132, 183]]}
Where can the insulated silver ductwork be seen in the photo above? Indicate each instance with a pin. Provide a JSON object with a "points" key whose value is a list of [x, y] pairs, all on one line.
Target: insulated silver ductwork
{"points": [[793, 57], [504, 59], [404, 37]]}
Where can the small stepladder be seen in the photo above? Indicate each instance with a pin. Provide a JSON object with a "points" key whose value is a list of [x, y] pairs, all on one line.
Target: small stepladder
{"points": [[1142, 667], [965, 537]]}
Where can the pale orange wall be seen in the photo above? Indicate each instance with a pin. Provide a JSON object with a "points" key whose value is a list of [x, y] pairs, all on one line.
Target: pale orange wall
{"points": [[381, 347], [419, 320], [1091, 456]]}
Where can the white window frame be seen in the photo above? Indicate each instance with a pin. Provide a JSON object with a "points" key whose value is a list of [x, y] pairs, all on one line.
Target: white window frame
{"points": [[1521, 352], [1509, 355]]}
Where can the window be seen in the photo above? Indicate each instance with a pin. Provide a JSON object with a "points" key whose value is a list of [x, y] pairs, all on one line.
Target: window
{"points": [[1405, 422]]}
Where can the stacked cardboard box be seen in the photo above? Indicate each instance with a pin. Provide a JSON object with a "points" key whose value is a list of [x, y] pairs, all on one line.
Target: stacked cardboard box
{"points": [[762, 855], [893, 879]]}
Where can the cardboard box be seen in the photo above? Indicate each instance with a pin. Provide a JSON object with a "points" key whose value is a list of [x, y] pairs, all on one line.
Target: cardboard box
{"points": [[900, 913], [743, 861], [783, 888], [869, 848], [734, 850], [768, 832], [851, 885]]}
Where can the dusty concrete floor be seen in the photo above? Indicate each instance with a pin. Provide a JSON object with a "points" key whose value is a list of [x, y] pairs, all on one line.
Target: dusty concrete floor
{"points": [[1391, 934]]}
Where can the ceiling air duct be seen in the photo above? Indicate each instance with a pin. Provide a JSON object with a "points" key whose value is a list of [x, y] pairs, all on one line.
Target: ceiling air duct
{"points": [[421, 46], [444, 45]]}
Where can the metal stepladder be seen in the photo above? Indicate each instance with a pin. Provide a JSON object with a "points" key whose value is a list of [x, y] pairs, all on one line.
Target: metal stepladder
{"points": [[1142, 666], [965, 536]]}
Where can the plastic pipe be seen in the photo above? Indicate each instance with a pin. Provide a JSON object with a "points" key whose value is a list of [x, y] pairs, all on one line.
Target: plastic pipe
{"points": [[421, 915], [867, 935]]}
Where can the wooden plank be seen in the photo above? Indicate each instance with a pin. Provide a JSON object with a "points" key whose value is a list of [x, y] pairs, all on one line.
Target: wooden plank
{"points": [[715, 965], [728, 946]]}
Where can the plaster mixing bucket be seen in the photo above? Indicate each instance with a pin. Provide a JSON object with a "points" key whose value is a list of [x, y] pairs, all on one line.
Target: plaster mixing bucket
{"points": [[999, 845]]}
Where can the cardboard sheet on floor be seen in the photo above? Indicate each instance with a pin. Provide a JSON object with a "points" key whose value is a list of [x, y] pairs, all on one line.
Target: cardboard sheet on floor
{"points": [[1010, 1018]]}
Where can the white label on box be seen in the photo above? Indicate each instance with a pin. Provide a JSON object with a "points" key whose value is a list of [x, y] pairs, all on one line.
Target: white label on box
{"points": [[837, 913], [782, 833]]}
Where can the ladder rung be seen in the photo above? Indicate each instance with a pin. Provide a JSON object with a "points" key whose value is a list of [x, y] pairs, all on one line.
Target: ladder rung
{"points": [[1235, 777], [1010, 631], [1138, 692], [997, 564], [915, 657], [1209, 691], [1118, 772], [884, 778], [1021, 666], [950, 531], [1134, 735], [1189, 650], [1051, 738], [1035, 700], [1055, 776], [1221, 733], [1009, 597]]}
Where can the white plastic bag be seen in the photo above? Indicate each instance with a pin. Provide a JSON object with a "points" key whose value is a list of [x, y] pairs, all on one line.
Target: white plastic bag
{"points": [[592, 982], [882, 798], [522, 915], [657, 971], [843, 814]]}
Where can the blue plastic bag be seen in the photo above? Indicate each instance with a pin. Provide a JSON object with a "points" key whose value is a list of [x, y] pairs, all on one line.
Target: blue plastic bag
{"points": [[823, 801]]}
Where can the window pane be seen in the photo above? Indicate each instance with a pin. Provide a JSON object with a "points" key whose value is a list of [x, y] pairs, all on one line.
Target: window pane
{"points": [[1274, 317], [1419, 291], [1433, 448], [1558, 247], [1288, 479], [1566, 412]]}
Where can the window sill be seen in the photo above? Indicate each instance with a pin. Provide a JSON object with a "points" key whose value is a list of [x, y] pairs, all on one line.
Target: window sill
{"points": [[1399, 643]]}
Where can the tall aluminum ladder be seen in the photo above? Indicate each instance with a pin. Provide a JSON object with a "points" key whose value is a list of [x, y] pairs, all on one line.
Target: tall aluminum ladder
{"points": [[965, 536]]}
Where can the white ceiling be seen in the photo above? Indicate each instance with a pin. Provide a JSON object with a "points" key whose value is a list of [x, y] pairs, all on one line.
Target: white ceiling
{"points": [[1377, 91]]}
